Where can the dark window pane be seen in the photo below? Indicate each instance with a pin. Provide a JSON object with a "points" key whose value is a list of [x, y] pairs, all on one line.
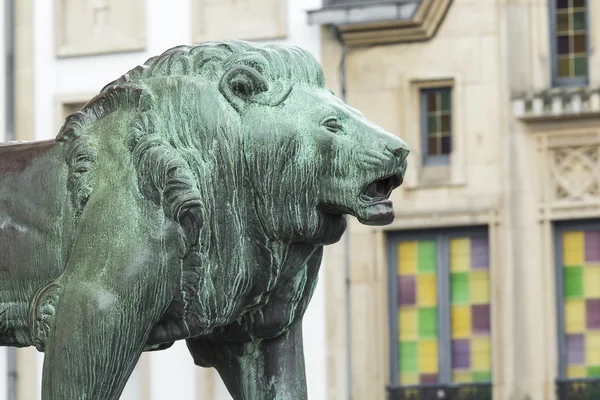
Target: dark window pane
{"points": [[446, 123], [446, 145], [580, 66], [432, 125], [562, 3], [579, 21], [563, 45], [578, 3], [564, 67], [432, 146], [432, 102], [579, 43], [563, 23]]}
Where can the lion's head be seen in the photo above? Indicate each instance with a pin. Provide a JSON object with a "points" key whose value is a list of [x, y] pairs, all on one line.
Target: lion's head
{"points": [[230, 123]]}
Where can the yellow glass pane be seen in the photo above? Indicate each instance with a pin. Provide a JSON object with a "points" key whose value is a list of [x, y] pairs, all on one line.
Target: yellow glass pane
{"points": [[591, 282], [481, 354], [428, 357], [592, 348], [460, 254], [480, 287], [426, 290], [574, 316], [461, 322], [462, 376], [409, 378], [407, 258], [573, 248], [576, 372], [407, 324]]}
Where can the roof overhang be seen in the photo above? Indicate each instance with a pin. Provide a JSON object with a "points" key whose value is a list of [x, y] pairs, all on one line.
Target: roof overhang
{"points": [[383, 22]]}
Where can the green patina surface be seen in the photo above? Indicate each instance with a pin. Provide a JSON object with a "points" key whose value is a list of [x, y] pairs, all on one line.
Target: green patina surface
{"points": [[189, 200]]}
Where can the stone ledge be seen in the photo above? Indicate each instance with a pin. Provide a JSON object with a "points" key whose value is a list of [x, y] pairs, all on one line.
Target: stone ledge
{"points": [[385, 22], [559, 103]]}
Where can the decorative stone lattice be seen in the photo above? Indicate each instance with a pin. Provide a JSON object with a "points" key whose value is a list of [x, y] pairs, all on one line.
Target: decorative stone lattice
{"points": [[575, 173]]}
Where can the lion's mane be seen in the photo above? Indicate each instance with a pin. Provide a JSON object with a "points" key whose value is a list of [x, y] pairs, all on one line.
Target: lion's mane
{"points": [[156, 153]]}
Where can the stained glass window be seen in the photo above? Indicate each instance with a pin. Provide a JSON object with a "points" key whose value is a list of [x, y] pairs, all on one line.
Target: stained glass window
{"points": [[581, 301], [437, 122], [470, 309], [570, 39], [417, 312], [443, 310]]}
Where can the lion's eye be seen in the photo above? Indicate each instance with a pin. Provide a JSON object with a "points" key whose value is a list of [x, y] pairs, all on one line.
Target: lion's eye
{"points": [[332, 125]]}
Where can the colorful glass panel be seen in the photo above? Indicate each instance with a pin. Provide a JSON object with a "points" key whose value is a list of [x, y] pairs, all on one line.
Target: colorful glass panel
{"points": [[571, 38], [470, 309], [438, 119], [581, 294], [417, 312]]}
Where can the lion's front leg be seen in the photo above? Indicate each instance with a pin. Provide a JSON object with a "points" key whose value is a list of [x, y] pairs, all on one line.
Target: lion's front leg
{"points": [[119, 281], [96, 341], [271, 369]]}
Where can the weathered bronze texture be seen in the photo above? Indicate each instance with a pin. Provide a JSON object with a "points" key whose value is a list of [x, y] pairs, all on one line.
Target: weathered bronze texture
{"points": [[190, 200]]}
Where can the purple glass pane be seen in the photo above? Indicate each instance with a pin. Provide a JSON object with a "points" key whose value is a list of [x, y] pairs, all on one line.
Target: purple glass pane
{"points": [[446, 144], [592, 313], [563, 44], [575, 349], [562, 3], [592, 246], [480, 319], [428, 378], [480, 257], [461, 354], [406, 290]]}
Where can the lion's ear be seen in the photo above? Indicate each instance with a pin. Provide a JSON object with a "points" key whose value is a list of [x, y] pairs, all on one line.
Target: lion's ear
{"points": [[241, 84]]}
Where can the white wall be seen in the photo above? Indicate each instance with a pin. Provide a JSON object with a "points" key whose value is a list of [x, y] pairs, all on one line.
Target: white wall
{"points": [[172, 371]]}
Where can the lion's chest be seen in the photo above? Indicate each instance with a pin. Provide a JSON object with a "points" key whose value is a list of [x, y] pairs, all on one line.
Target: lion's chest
{"points": [[262, 303]]}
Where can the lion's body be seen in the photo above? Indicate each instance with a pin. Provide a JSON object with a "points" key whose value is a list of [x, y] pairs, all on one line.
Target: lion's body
{"points": [[191, 199]]}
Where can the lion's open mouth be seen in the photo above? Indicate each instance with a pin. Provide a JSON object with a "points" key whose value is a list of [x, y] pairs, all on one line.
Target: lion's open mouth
{"points": [[376, 208]]}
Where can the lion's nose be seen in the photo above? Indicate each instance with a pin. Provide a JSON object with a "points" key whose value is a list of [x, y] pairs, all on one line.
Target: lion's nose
{"points": [[401, 153]]}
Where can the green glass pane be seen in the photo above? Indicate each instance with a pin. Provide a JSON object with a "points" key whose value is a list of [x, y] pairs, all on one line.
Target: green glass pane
{"points": [[445, 98], [407, 354], [482, 376], [563, 22], [459, 287], [432, 124], [573, 282], [593, 371], [445, 123], [564, 67], [427, 323], [581, 66], [579, 21], [427, 256]]}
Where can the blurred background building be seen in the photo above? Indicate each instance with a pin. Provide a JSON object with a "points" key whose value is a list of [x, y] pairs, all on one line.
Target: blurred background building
{"points": [[487, 285]]}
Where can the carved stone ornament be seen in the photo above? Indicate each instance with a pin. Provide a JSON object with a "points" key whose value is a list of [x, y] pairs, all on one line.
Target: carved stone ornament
{"points": [[189, 200], [575, 173]]}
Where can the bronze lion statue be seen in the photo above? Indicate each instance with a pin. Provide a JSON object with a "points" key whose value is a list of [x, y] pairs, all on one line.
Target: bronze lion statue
{"points": [[189, 200]]}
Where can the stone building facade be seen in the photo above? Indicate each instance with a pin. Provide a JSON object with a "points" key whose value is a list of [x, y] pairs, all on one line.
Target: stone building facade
{"points": [[488, 280]]}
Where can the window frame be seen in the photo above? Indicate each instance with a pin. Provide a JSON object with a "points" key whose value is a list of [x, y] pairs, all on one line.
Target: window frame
{"points": [[442, 238], [560, 227], [572, 81], [442, 159]]}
